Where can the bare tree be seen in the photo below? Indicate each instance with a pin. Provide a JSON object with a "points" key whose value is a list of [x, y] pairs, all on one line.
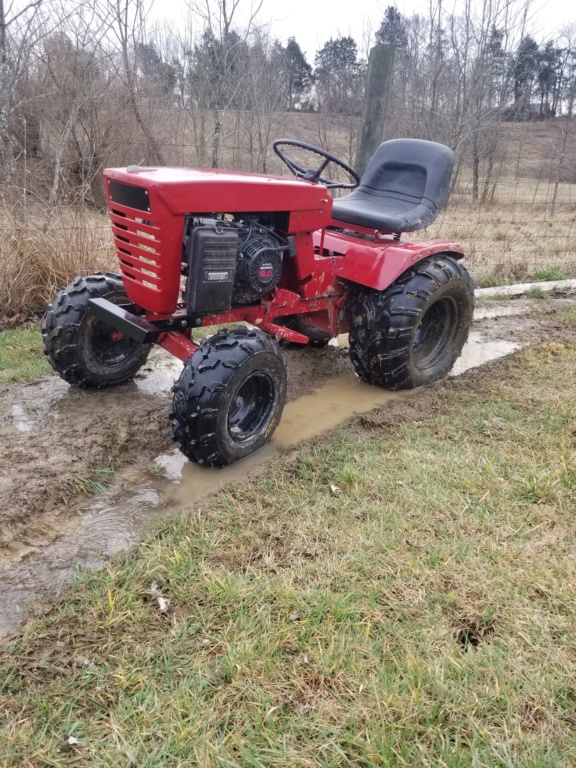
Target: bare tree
{"points": [[17, 35], [127, 22], [227, 29], [265, 88]]}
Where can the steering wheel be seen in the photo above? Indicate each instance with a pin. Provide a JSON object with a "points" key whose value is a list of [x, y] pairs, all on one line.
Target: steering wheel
{"points": [[311, 175]]}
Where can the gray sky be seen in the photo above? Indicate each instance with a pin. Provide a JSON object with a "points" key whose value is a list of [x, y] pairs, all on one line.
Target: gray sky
{"points": [[313, 22]]}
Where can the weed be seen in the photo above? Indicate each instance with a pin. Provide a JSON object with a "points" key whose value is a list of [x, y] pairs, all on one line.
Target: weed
{"points": [[486, 279]]}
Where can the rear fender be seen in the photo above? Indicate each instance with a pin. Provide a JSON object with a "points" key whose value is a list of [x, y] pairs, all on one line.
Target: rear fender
{"points": [[378, 266]]}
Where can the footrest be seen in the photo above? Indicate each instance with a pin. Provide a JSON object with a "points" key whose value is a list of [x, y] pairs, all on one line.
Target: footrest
{"points": [[130, 325]]}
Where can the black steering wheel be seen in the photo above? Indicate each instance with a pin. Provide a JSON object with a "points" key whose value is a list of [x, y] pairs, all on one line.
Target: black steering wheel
{"points": [[311, 175]]}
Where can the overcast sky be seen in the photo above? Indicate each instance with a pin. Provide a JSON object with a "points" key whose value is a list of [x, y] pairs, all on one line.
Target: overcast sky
{"points": [[313, 22]]}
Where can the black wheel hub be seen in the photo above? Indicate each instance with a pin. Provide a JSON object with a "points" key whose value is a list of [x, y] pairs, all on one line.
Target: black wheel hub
{"points": [[435, 332], [251, 406], [107, 348]]}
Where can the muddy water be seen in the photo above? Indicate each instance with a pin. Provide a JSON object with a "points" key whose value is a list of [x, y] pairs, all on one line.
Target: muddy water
{"points": [[117, 519], [479, 350]]}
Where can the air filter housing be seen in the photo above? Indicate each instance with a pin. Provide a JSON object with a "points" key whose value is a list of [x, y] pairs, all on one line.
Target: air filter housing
{"points": [[211, 257]]}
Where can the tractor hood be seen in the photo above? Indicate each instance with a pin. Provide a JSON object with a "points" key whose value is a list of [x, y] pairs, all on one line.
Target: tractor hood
{"points": [[192, 190]]}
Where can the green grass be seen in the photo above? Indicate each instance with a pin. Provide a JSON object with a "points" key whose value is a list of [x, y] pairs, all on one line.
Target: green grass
{"points": [[98, 481], [536, 293], [422, 616], [21, 355], [486, 279], [492, 279], [549, 273]]}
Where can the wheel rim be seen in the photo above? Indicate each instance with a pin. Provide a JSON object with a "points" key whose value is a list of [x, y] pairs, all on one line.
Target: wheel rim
{"points": [[251, 407], [435, 333], [109, 347]]}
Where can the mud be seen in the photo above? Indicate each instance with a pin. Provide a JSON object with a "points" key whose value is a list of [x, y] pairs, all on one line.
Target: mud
{"points": [[116, 520], [489, 309], [58, 446]]}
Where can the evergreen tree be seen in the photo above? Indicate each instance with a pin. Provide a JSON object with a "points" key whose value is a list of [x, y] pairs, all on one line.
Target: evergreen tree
{"points": [[548, 77], [338, 76], [525, 69], [392, 30], [298, 73], [153, 69]]}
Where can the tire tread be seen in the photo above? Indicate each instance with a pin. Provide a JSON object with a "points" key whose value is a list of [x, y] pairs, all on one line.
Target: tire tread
{"points": [[381, 321]]}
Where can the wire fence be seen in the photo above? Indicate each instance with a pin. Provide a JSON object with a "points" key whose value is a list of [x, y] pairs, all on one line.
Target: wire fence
{"points": [[517, 219]]}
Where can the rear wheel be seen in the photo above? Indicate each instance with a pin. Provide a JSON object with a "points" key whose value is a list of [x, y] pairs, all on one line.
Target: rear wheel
{"points": [[85, 351], [412, 333], [229, 398]]}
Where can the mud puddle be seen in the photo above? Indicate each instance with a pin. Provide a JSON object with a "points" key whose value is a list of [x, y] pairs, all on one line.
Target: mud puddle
{"points": [[40, 558], [116, 521], [480, 350]]}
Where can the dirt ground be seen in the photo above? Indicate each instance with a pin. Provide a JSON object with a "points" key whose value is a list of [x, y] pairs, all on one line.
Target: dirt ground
{"points": [[60, 446]]}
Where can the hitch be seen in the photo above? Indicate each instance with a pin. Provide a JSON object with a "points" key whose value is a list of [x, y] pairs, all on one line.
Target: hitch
{"points": [[130, 325]]}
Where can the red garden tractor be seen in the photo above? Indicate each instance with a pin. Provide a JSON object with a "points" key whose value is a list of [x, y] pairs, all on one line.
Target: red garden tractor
{"points": [[208, 248]]}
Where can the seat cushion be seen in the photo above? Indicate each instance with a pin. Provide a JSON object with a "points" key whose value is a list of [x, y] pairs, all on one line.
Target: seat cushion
{"points": [[402, 190], [384, 214]]}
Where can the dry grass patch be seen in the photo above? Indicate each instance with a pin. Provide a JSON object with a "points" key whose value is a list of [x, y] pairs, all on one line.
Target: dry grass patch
{"points": [[510, 242], [48, 251]]}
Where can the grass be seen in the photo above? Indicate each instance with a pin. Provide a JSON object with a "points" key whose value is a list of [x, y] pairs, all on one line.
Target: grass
{"points": [[512, 242], [421, 616], [98, 481], [487, 279], [21, 353], [545, 274], [47, 251]]}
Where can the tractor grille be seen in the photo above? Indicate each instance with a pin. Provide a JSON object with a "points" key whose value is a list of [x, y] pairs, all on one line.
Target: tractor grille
{"points": [[148, 237], [138, 245]]}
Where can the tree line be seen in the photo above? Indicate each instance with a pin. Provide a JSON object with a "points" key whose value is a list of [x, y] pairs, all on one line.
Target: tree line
{"points": [[89, 83]]}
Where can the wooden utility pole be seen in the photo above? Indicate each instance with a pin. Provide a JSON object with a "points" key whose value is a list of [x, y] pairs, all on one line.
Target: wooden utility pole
{"points": [[378, 85]]}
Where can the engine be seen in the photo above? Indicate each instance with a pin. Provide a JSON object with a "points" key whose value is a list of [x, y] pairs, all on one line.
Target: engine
{"points": [[258, 268], [229, 262]]}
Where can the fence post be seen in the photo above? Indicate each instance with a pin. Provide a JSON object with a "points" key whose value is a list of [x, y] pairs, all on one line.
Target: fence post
{"points": [[378, 85]]}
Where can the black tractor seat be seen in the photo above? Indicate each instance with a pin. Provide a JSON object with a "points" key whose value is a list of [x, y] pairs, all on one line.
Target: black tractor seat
{"points": [[403, 189]]}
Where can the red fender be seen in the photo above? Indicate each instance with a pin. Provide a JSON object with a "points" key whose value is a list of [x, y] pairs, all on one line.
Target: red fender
{"points": [[377, 264]]}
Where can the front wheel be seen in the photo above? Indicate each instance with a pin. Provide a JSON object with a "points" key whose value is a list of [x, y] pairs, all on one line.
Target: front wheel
{"points": [[412, 333], [229, 397], [85, 351]]}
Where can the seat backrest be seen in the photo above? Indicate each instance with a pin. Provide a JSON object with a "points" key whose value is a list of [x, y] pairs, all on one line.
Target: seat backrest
{"points": [[410, 170]]}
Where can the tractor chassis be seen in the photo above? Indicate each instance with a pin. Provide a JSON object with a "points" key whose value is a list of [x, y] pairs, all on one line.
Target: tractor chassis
{"points": [[174, 332]]}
